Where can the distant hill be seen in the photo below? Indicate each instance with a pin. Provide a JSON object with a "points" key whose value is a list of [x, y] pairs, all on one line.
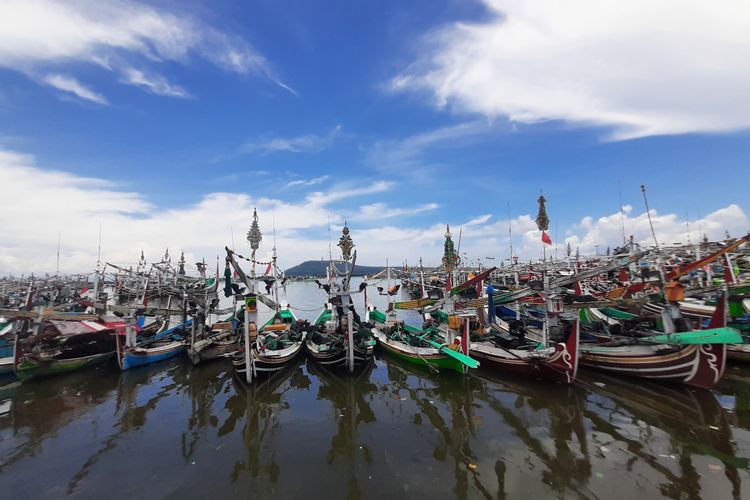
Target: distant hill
{"points": [[318, 268]]}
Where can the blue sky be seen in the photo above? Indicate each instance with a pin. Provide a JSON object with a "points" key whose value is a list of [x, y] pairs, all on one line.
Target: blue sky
{"points": [[167, 122]]}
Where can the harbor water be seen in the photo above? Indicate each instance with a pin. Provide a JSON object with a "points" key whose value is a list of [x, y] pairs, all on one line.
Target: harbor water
{"points": [[173, 430]]}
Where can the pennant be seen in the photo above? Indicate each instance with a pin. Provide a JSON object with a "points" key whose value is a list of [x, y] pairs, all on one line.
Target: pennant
{"points": [[545, 238]]}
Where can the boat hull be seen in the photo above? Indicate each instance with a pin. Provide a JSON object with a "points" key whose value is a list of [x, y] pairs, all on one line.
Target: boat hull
{"points": [[700, 366], [145, 356], [419, 356], [265, 365], [335, 359], [213, 351], [30, 367], [738, 353]]}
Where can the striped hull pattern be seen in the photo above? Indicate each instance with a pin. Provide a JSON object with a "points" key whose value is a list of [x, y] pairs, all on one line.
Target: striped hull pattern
{"points": [[699, 366], [146, 356], [422, 357], [264, 365], [337, 358], [557, 364]]}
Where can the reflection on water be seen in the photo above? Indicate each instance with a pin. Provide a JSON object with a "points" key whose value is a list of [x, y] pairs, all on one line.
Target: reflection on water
{"points": [[174, 430]]}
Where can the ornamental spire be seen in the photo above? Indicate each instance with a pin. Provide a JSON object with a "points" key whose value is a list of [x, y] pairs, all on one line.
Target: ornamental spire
{"points": [[450, 257], [254, 236], [345, 243], [542, 221]]}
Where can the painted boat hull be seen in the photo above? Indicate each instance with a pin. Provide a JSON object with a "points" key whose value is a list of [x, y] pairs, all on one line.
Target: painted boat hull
{"points": [[425, 357], [145, 356], [700, 366], [337, 358], [265, 365], [30, 367], [555, 364]]}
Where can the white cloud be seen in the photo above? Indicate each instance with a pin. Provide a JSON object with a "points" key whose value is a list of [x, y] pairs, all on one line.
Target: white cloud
{"points": [[153, 83], [343, 191], [130, 222], [39, 34], [308, 143], [641, 67], [72, 85], [381, 211], [307, 182], [406, 155]]}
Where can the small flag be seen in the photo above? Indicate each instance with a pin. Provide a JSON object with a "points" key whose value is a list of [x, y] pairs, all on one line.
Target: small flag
{"points": [[268, 269], [545, 238]]}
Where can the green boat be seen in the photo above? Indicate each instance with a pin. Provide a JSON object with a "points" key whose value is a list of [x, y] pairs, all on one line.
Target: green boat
{"points": [[420, 347], [44, 357]]}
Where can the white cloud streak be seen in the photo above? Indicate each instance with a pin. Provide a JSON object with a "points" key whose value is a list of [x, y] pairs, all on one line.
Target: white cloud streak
{"points": [[641, 67], [39, 34], [154, 84], [71, 85], [308, 143], [307, 182]]}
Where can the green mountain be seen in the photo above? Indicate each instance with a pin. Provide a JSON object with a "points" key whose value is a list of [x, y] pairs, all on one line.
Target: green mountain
{"points": [[318, 268]]}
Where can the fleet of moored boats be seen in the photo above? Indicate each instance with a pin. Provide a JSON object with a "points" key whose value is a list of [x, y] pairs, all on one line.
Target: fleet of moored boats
{"points": [[675, 315]]}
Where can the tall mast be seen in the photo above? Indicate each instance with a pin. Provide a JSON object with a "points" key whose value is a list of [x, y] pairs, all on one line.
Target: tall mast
{"points": [[275, 270], [648, 213], [622, 217]]}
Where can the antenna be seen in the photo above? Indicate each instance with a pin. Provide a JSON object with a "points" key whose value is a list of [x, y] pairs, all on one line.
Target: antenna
{"points": [[687, 225], [330, 250], [231, 228], [57, 270]]}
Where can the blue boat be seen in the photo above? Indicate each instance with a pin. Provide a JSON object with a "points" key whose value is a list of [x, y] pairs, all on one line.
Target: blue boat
{"points": [[164, 345]]}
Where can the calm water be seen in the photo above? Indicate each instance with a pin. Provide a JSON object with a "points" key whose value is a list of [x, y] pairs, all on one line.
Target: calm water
{"points": [[174, 430]]}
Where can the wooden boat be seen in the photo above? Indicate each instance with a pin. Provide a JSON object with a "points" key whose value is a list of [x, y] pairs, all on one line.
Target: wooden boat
{"points": [[695, 358], [338, 338], [508, 347], [327, 342], [499, 350], [278, 342], [421, 347], [162, 346], [64, 346], [220, 341], [7, 341]]}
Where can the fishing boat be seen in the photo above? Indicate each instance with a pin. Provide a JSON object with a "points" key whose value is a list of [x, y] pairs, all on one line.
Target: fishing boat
{"points": [[64, 346], [424, 347], [273, 347], [507, 347], [267, 350], [165, 344], [7, 341], [338, 338], [696, 358], [327, 342], [217, 342], [428, 346]]}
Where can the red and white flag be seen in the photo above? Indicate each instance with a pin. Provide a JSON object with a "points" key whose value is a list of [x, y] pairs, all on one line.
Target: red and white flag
{"points": [[545, 238], [268, 269]]}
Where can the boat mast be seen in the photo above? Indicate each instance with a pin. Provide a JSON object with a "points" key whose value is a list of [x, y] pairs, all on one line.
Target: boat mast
{"points": [[254, 237]]}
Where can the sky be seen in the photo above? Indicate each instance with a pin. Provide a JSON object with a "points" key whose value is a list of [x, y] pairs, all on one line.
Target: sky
{"points": [[165, 123]]}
